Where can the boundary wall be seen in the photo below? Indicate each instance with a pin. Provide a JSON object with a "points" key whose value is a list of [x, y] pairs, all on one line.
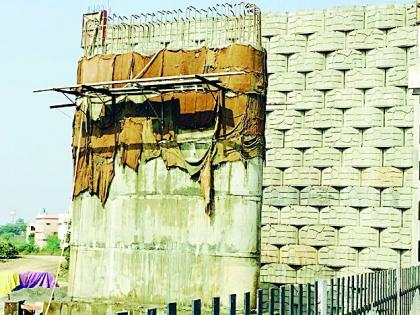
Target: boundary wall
{"points": [[339, 181]]}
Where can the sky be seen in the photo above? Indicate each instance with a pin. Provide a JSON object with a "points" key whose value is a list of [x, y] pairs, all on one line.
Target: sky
{"points": [[40, 47]]}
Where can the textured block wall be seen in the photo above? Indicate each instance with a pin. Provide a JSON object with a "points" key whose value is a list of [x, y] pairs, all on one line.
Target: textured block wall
{"points": [[338, 181]]}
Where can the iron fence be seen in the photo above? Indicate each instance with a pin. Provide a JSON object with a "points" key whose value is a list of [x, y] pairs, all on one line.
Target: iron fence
{"points": [[384, 292]]}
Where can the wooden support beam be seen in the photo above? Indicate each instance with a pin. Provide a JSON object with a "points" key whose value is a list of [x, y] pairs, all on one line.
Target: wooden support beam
{"points": [[210, 82]]}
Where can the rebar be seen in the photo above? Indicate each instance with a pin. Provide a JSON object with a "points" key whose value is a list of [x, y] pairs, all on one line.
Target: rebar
{"points": [[216, 26]]}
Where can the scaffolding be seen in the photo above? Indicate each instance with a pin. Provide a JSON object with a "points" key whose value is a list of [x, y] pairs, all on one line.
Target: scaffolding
{"points": [[156, 86]]}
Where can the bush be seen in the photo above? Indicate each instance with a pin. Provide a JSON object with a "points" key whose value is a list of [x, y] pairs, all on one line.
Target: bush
{"points": [[8, 250], [53, 245], [28, 247]]}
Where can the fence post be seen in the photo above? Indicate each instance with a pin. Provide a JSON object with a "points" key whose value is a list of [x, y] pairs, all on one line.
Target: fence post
{"points": [[232, 304], [271, 301], [151, 311], [300, 299], [247, 303], [398, 291], [332, 296], [196, 307], [260, 302], [171, 309], [282, 302], [308, 299], [216, 306], [291, 300], [322, 296]]}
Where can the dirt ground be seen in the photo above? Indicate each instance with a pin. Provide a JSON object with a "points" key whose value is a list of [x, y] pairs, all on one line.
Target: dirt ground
{"points": [[31, 263]]}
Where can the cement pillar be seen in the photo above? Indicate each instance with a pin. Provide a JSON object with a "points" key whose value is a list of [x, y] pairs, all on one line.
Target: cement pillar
{"points": [[152, 243]]}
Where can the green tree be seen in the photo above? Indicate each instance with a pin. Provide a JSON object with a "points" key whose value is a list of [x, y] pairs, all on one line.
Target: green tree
{"points": [[28, 247], [7, 250], [53, 245], [17, 228], [8, 237]]}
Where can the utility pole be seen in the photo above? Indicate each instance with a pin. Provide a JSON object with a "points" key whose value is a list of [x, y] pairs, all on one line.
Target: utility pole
{"points": [[13, 216]]}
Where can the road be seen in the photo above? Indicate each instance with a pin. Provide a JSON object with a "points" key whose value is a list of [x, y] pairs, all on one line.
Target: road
{"points": [[31, 263]]}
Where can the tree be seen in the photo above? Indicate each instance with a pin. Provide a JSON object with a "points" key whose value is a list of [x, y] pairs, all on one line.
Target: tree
{"points": [[7, 250], [18, 228], [28, 247], [53, 245]]}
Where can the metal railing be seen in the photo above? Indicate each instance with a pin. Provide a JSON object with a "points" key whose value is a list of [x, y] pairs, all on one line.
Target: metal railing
{"points": [[383, 292]]}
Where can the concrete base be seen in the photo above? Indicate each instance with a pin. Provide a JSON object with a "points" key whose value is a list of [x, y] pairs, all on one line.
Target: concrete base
{"points": [[152, 243], [104, 308]]}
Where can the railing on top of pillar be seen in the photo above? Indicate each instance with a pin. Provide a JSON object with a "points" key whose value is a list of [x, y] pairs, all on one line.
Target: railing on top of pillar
{"points": [[216, 26], [382, 292]]}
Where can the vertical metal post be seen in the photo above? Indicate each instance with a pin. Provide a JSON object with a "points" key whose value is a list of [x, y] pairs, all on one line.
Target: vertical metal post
{"points": [[338, 296], [308, 299], [271, 300], [387, 286], [282, 303], [216, 306], [348, 295], [394, 292], [370, 292], [403, 291], [373, 289], [357, 293], [376, 275], [151, 311], [408, 283], [232, 304], [343, 292], [360, 296], [399, 306], [247, 303], [382, 290], [381, 285], [412, 285], [352, 308], [406, 291], [366, 292], [260, 302], [171, 309], [379, 306], [316, 297], [300, 299], [396, 296], [332, 297], [196, 309], [389, 290], [291, 300]]}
